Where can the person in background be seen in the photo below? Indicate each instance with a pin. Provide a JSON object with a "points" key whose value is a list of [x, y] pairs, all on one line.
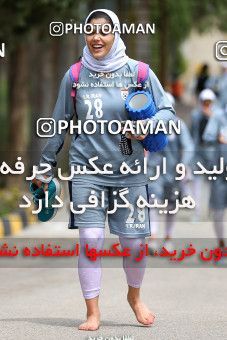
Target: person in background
{"points": [[218, 84], [202, 78], [222, 86], [203, 153], [180, 149], [216, 134], [177, 88]]}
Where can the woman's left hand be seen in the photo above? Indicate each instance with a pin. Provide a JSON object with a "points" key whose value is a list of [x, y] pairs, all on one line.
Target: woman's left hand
{"points": [[222, 139], [129, 135]]}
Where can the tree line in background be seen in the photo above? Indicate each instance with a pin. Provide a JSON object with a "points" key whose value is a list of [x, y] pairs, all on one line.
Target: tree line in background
{"points": [[35, 61]]}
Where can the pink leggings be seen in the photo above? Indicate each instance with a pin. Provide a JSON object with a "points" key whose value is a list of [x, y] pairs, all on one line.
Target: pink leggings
{"points": [[90, 271]]}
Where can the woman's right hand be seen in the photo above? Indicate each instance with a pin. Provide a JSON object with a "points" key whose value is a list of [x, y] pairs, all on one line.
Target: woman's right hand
{"points": [[39, 183]]}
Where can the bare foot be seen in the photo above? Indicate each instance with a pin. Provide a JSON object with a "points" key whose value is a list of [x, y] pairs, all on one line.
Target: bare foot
{"points": [[92, 323], [143, 314]]}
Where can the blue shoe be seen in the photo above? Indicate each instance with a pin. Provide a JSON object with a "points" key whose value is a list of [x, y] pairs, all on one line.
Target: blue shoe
{"points": [[54, 188], [140, 105]]}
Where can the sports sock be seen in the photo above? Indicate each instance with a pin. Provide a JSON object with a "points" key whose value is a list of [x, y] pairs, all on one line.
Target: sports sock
{"points": [[90, 272]]}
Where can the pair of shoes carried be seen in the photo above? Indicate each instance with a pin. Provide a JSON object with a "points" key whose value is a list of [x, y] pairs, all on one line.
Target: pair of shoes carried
{"points": [[47, 199]]}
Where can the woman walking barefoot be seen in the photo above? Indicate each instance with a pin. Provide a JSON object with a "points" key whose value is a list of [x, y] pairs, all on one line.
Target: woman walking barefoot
{"points": [[105, 63]]}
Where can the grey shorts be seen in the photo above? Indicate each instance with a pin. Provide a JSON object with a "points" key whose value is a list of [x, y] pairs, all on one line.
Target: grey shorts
{"points": [[126, 221]]}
